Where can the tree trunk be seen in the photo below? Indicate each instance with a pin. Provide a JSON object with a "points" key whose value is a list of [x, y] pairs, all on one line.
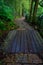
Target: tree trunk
{"points": [[35, 11], [22, 10], [30, 16]]}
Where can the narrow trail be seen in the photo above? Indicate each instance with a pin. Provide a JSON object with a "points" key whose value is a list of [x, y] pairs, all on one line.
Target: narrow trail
{"points": [[22, 24], [25, 43]]}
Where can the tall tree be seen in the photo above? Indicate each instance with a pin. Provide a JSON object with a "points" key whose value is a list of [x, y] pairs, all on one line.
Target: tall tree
{"points": [[35, 10], [30, 16]]}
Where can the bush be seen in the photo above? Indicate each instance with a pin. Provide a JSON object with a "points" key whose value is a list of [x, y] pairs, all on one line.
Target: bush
{"points": [[6, 13], [6, 17], [2, 26]]}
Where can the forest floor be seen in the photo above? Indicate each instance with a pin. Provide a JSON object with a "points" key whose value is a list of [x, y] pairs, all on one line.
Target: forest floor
{"points": [[31, 58]]}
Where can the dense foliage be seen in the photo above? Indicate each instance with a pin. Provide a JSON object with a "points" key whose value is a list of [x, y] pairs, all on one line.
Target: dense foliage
{"points": [[40, 18], [6, 13], [19, 6], [6, 17], [38, 21], [11, 9]]}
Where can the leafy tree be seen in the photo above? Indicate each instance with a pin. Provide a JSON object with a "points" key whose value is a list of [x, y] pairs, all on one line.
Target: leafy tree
{"points": [[41, 3]]}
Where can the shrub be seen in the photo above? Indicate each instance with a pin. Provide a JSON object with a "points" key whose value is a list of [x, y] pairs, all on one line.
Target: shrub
{"points": [[2, 25], [6, 13]]}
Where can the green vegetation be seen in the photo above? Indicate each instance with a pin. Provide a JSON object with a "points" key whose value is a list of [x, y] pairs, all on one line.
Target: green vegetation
{"points": [[12, 9], [6, 13], [36, 15], [6, 17], [40, 17], [9, 10]]}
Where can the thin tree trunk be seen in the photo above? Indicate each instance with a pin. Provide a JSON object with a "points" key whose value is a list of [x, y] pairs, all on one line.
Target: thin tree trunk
{"points": [[30, 17], [35, 11], [22, 10]]}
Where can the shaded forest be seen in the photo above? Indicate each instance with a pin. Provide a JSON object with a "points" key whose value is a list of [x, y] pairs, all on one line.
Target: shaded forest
{"points": [[32, 37], [10, 10]]}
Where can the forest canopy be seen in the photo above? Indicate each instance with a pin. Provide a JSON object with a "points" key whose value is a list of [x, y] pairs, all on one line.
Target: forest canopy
{"points": [[22, 6]]}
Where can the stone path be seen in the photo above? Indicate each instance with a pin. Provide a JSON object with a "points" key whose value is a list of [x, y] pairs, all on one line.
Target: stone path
{"points": [[24, 43]]}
